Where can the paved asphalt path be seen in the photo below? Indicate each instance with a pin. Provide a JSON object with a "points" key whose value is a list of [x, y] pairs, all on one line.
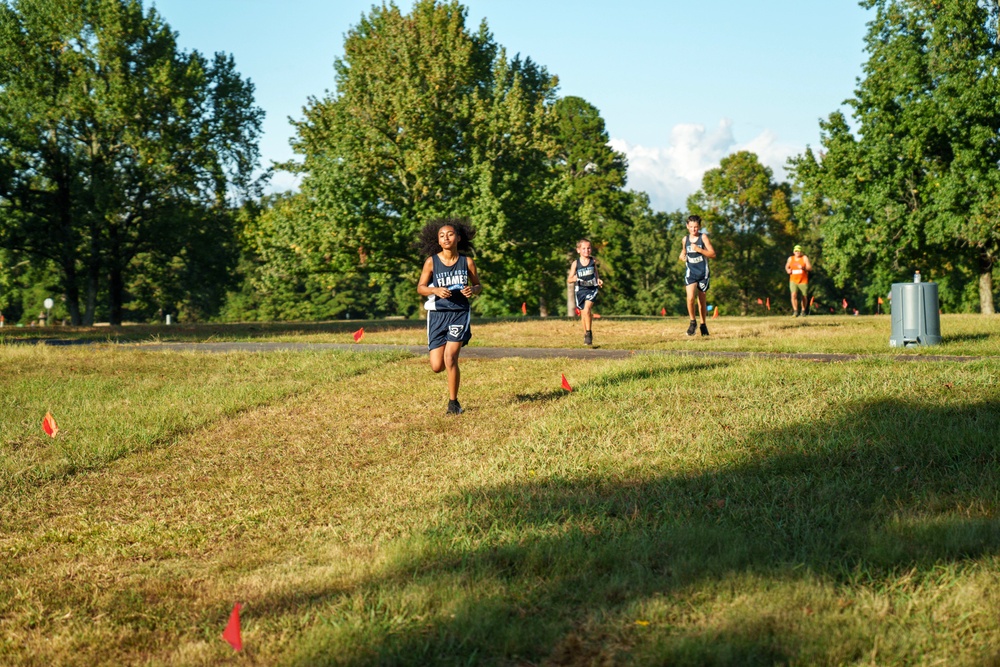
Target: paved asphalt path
{"points": [[519, 352]]}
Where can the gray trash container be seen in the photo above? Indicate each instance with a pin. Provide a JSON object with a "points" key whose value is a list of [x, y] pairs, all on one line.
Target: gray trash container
{"points": [[915, 316]]}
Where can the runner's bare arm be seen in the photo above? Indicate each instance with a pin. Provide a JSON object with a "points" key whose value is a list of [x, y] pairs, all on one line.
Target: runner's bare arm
{"points": [[474, 287], [709, 251], [423, 285]]}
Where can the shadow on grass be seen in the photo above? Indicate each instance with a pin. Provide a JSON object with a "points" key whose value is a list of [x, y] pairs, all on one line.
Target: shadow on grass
{"points": [[965, 338], [549, 570], [619, 377]]}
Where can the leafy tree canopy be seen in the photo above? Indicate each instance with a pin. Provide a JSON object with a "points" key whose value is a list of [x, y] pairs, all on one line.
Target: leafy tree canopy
{"points": [[118, 153], [749, 217], [917, 186]]}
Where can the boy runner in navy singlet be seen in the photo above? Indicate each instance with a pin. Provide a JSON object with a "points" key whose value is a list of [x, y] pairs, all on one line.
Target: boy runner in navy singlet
{"points": [[583, 272], [448, 280], [695, 254]]}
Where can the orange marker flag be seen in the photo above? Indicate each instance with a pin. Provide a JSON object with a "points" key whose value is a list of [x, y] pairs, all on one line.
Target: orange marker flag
{"points": [[812, 300], [716, 313], [524, 308], [845, 304], [565, 383], [597, 316], [880, 301], [577, 312], [769, 303], [359, 334], [49, 425], [760, 302], [663, 312], [232, 632]]}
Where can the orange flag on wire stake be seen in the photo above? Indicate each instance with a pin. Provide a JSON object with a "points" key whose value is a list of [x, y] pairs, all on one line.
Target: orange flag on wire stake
{"points": [[663, 312], [812, 300], [769, 303], [524, 308], [232, 632], [716, 313], [880, 301], [49, 425], [359, 334], [565, 383], [760, 302], [597, 316], [845, 304]]}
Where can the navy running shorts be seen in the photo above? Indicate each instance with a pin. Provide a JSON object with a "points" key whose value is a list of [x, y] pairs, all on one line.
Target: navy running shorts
{"points": [[448, 326], [585, 294], [702, 283]]}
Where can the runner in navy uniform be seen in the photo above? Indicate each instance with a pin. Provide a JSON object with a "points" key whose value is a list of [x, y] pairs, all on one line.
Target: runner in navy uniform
{"points": [[583, 272], [696, 252], [448, 279]]}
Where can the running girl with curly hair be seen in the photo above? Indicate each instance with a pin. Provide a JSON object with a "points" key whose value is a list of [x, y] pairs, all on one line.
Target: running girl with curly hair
{"points": [[448, 280]]}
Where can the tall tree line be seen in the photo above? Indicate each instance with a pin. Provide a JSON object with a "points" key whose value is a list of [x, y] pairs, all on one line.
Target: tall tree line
{"points": [[120, 156], [127, 174], [916, 186]]}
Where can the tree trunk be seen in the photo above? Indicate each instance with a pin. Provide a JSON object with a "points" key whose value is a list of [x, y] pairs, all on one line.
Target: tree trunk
{"points": [[986, 284], [93, 274], [570, 300], [72, 292], [93, 278], [68, 254], [117, 292], [543, 308], [116, 287]]}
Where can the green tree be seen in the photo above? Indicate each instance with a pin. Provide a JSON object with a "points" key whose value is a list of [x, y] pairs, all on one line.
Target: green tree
{"points": [[655, 274], [288, 272], [917, 187], [117, 151], [591, 194], [431, 119], [750, 220]]}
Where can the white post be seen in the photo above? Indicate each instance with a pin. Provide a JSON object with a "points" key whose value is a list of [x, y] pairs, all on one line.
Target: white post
{"points": [[168, 319]]}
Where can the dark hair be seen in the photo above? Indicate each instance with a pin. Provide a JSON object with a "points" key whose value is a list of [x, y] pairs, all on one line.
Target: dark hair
{"points": [[694, 218], [427, 241]]}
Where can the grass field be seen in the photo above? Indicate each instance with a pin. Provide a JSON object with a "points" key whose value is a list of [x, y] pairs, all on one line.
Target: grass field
{"points": [[669, 510], [962, 334]]}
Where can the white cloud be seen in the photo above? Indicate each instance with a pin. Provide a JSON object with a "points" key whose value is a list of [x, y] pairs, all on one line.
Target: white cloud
{"points": [[668, 175], [283, 181]]}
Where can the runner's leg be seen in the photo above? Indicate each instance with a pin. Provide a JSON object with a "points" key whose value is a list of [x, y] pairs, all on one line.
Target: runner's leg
{"points": [[450, 351]]}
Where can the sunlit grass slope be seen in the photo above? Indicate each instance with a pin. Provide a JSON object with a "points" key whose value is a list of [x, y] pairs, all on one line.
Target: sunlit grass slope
{"points": [[116, 401], [667, 511], [963, 334]]}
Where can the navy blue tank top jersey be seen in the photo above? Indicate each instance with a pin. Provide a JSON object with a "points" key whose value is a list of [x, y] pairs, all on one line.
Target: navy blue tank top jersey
{"points": [[453, 277], [697, 264], [586, 276]]}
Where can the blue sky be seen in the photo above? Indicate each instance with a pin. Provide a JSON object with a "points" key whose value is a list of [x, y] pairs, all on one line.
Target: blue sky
{"points": [[679, 84]]}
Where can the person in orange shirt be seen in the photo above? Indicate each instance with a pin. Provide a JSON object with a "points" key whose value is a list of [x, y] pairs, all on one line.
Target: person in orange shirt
{"points": [[798, 267]]}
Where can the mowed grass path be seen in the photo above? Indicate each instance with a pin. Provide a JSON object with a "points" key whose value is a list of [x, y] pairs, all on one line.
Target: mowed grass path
{"points": [[668, 511], [972, 335]]}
